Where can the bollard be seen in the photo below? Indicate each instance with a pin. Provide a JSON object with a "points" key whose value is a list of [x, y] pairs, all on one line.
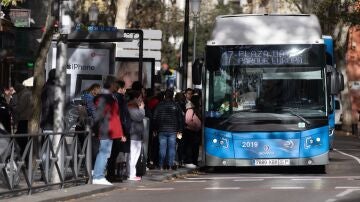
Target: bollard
{"points": [[89, 153]]}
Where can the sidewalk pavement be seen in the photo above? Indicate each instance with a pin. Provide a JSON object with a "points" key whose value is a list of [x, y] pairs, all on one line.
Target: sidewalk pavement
{"points": [[90, 189], [347, 133]]}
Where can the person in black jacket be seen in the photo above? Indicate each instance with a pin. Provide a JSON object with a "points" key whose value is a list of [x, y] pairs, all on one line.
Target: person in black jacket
{"points": [[5, 118], [169, 123], [48, 103]]}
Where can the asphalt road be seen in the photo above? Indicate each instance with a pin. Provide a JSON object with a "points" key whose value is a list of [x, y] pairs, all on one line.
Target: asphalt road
{"points": [[341, 182]]}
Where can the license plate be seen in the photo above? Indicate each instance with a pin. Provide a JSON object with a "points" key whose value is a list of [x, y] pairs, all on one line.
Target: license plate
{"points": [[271, 162]]}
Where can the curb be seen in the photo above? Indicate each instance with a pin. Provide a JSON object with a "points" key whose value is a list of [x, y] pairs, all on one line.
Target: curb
{"points": [[168, 176], [66, 193], [80, 191]]}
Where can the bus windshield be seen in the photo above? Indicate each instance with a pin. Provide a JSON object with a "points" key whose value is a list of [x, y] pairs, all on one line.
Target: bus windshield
{"points": [[279, 90]]}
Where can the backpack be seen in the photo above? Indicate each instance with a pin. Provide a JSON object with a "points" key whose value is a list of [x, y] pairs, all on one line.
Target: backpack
{"points": [[192, 121]]}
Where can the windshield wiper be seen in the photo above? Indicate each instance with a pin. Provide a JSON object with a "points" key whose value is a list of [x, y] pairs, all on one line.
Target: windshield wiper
{"points": [[299, 116]]}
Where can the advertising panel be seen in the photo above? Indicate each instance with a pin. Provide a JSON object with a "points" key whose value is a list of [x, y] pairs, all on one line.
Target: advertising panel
{"points": [[127, 70], [87, 64]]}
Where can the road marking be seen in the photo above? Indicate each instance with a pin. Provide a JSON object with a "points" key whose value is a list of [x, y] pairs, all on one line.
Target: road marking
{"points": [[191, 181], [346, 192], [222, 188], [287, 187], [347, 187], [330, 200], [155, 189], [343, 153], [273, 177], [350, 149], [248, 180], [306, 179]]}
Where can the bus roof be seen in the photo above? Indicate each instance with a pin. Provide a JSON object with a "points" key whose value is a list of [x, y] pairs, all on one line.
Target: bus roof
{"points": [[255, 29]]}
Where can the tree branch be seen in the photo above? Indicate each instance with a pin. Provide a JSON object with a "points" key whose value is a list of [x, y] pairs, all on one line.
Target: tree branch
{"points": [[296, 4]]}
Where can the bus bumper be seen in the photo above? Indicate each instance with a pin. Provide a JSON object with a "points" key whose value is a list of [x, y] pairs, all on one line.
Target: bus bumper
{"points": [[322, 159]]}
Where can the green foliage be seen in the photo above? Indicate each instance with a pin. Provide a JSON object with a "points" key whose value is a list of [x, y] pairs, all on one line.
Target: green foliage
{"points": [[329, 12], [206, 23], [10, 2], [155, 15], [146, 14]]}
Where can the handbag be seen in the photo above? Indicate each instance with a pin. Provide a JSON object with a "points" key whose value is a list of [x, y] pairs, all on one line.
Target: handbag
{"points": [[141, 163]]}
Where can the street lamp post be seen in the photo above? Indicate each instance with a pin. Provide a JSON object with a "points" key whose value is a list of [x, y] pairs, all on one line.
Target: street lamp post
{"points": [[185, 46], [93, 14], [60, 86], [195, 9]]}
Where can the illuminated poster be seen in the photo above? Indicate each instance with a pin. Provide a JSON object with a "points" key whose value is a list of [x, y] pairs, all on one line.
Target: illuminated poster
{"points": [[127, 70]]}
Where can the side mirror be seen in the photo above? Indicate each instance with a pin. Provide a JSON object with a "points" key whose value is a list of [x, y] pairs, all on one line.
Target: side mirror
{"points": [[334, 83], [341, 80], [197, 71], [213, 57]]}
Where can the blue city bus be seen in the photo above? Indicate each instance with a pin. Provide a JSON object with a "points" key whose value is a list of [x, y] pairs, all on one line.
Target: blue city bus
{"points": [[266, 92]]}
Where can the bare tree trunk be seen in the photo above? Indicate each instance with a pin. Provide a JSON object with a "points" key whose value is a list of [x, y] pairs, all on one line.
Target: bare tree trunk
{"points": [[121, 13], [340, 35], [39, 78]]}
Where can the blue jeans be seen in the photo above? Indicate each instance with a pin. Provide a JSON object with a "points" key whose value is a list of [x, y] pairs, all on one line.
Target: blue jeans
{"points": [[102, 158], [167, 143]]}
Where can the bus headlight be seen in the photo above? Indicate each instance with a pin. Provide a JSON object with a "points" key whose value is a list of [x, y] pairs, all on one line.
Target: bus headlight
{"points": [[224, 143], [220, 142], [331, 131], [312, 141]]}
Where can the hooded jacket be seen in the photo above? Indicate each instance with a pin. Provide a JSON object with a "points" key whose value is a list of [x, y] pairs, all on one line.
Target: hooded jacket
{"points": [[107, 119], [137, 116]]}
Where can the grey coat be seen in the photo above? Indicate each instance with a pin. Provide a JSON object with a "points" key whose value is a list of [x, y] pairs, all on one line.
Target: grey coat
{"points": [[137, 126]]}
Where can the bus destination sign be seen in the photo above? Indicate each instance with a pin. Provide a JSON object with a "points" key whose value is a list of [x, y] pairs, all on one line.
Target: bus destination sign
{"points": [[271, 57]]}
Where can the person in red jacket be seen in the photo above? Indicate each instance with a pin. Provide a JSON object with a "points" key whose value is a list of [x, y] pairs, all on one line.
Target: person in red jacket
{"points": [[107, 127]]}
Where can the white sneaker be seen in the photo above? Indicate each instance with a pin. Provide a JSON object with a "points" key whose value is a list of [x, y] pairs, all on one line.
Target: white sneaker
{"points": [[134, 178], [190, 166], [101, 181]]}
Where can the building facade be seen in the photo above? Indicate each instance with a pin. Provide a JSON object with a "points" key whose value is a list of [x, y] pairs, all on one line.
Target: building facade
{"points": [[7, 45]]}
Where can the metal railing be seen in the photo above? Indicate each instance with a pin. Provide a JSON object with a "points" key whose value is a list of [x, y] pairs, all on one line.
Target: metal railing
{"points": [[26, 169]]}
